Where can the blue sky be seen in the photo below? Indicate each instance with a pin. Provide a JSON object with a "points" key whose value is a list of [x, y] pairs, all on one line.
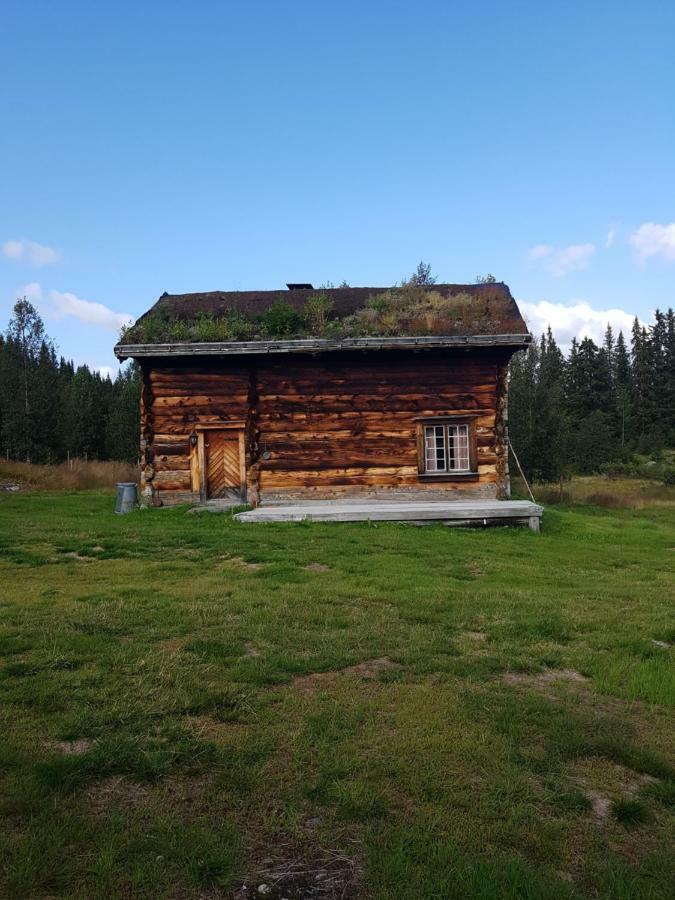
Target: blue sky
{"points": [[171, 146]]}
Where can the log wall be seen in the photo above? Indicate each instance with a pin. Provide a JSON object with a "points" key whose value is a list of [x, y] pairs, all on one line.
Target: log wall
{"points": [[327, 426]]}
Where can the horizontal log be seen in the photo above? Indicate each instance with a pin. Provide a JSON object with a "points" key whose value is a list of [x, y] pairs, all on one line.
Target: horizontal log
{"points": [[201, 400], [352, 418], [346, 471], [329, 443], [298, 375], [269, 482], [191, 390], [403, 382], [426, 406], [166, 421], [173, 481], [179, 428], [407, 397], [486, 468], [278, 442], [302, 382], [308, 437], [171, 463], [166, 438], [162, 448], [172, 498], [180, 375], [231, 409], [329, 461], [358, 423], [363, 368]]}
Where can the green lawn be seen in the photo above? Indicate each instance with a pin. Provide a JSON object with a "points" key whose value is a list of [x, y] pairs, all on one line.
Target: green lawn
{"points": [[189, 705]]}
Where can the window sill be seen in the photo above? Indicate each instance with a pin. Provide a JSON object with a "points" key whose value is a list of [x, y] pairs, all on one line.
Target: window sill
{"points": [[448, 476]]}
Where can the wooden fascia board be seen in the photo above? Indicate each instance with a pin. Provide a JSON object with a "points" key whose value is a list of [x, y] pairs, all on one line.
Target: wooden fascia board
{"points": [[319, 345]]}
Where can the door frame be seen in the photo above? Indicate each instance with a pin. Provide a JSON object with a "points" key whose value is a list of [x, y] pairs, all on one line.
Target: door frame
{"points": [[198, 459]]}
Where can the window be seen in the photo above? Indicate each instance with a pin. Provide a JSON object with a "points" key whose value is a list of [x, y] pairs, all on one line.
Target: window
{"points": [[447, 447]]}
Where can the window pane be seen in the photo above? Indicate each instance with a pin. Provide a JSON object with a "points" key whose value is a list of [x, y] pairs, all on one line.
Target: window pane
{"points": [[434, 448], [458, 448]]}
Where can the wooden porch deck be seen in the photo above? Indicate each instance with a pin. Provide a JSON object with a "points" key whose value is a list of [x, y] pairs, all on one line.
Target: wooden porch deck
{"points": [[452, 512]]}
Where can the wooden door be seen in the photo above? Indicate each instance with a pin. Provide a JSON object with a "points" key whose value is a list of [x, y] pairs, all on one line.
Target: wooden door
{"points": [[223, 464]]}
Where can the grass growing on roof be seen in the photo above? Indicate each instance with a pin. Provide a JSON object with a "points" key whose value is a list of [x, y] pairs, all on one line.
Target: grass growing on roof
{"points": [[408, 309], [187, 704]]}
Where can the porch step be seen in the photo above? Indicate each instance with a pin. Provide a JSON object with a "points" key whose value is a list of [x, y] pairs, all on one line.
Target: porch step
{"points": [[464, 512]]}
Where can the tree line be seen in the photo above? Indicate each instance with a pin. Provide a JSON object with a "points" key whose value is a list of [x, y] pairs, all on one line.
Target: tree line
{"points": [[577, 413], [51, 410], [596, 407]]}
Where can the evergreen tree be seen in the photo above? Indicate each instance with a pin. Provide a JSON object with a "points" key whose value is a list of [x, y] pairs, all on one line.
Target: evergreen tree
{"points": [[45, 412], [49, 410], [598, 405], [668, 399], [622, 390], [641, 383], [25, 344], [122, 423]]}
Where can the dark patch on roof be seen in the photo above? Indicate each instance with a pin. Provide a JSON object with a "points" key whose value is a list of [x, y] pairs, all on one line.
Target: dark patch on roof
{"points": [[346, 301]]}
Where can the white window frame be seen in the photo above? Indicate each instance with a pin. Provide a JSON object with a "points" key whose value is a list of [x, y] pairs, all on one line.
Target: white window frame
{"points": [[447, 447]]}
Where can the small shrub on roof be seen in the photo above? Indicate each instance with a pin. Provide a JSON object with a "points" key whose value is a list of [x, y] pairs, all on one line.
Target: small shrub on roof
{"points": [[408, 309]]}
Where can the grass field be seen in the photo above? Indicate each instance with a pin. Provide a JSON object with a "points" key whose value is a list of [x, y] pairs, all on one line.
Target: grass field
{"points": [[192, 708]]}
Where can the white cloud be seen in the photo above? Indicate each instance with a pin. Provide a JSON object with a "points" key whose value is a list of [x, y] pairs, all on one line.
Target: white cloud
{"points": [[30, 252], [104, 371], [59, 305], [67, 304], [567, 259], [572, 258], [32, 291], [611, 237], [651, 239], [539, 251], [579, 320]]}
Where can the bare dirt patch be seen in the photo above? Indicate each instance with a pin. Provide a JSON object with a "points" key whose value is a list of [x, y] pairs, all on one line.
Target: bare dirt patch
{"points": [[316, 567], [211, 729], [73, 554], [541, 679], [116, 792], [238, 562], [601, 805], [331, 875], [171, 645], [192, 795], [74, 748], [477, 636], [604, 782], [369, 670], [251, 651]]}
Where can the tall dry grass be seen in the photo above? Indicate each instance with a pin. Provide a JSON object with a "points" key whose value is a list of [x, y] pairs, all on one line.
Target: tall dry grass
{"points": [[78, 475], [600, 490]]}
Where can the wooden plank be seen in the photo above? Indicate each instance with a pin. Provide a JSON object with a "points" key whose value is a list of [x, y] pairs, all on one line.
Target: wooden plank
{"points": [[195, 475], [201, 465], [312, 345], [458, 510]]}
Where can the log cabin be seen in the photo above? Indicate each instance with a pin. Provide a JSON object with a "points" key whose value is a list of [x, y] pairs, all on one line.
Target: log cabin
{"points": [[335, 393]]}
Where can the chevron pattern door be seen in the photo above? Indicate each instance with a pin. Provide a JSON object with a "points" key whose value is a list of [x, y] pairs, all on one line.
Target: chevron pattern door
{"points": [[223, 464]]}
